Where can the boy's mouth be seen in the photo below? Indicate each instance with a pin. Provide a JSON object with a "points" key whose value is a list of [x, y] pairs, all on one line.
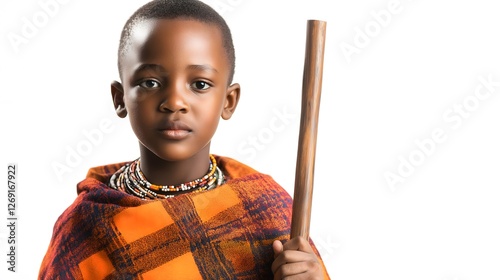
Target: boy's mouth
{"points": [[175, 130]]}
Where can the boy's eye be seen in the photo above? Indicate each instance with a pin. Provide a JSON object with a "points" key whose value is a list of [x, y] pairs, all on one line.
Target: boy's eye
{"points": [[200, 85], [149, 84]]}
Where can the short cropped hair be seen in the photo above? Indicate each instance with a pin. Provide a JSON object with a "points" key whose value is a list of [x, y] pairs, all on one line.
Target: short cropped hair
{"points": [[174, 9]]}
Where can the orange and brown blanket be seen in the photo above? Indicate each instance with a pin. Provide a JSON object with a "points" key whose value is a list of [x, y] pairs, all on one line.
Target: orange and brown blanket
{"points": [[224, 233]]}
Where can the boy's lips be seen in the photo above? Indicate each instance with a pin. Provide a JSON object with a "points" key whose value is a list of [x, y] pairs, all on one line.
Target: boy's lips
{"points": [[175, 125], [175, 130]]}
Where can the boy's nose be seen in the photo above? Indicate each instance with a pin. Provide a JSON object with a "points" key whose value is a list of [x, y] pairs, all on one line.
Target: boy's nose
{"points": [[174, 99]]}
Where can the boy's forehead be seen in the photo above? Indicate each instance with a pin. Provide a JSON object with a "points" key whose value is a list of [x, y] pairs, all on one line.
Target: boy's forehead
{"points": [[154, 38], [141, 31], [148, 30]]}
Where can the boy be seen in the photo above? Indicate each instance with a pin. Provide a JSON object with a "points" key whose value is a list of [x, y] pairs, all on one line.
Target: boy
{"points": [[177, 212]]}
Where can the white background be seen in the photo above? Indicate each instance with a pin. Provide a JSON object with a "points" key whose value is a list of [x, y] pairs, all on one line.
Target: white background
{"points": [[440, 222]]}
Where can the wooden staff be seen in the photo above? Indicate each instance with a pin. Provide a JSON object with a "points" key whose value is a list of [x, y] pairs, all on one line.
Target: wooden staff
{"points": [[311, 93]]}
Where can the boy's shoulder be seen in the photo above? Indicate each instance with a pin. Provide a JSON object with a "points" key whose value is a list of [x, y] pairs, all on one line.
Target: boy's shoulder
{"points": [[233, 168]]}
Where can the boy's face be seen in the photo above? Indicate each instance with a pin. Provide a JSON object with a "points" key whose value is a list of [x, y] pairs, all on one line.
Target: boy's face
{"points": [[175, 86]]}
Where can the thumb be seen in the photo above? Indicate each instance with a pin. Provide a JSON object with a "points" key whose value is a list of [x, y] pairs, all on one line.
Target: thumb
{"points": [[277, 248]]}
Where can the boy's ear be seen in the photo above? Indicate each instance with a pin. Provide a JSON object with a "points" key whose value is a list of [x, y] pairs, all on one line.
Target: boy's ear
{"points": [[117, 95], [232, 98]]}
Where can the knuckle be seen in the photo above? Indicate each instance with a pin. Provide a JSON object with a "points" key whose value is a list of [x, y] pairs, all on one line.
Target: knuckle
{"points": [[302, 240], [287, 254], [310, 265]]}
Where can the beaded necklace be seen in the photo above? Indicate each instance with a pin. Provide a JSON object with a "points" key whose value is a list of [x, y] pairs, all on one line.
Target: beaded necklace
{"points": [[130, 179]]}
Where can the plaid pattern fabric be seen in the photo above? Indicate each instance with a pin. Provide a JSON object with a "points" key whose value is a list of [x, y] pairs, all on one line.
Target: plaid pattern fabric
{"points": [[224, 233]]}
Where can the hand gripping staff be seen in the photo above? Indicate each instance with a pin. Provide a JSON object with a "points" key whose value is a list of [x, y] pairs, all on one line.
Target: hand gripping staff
{"points": [[306, 152]]}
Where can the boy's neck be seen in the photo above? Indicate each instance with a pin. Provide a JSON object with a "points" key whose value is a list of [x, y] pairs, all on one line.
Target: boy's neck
{"points": [[161, 172]]}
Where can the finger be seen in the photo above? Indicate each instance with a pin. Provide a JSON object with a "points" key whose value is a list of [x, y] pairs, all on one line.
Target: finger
{"points": [[291, 256], [277, 247], [302, 276], [298, 243], [290, 269], [296, 271]]}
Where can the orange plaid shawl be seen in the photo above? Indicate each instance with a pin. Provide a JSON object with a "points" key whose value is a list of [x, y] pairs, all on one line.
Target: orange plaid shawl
{"points": [[224, 233]]}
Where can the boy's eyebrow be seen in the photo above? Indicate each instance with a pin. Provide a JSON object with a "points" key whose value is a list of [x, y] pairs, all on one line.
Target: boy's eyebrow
{"points": [[149, 66], [204, 67], [152, 66]]}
